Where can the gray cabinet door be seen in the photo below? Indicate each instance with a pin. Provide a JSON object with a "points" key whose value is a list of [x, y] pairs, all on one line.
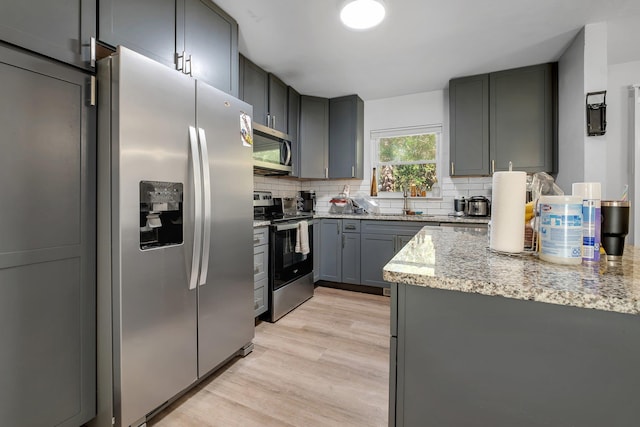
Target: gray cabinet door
{"points": [[331, 250], [254, 89], [278, 106], [376, 251], [521, 111], [469, 126], [48, 244], [314, 135], [346, 137], [316, 250], [210, 38], [145, 26], [60, 30], [351, 258], [293, 129]]}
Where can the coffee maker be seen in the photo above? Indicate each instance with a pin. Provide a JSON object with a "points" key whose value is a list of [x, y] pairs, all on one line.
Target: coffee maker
{"points": [[306, 201]]}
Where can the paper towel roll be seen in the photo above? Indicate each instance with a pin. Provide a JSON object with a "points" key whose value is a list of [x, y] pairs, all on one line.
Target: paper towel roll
{"points": [[507, 211]]}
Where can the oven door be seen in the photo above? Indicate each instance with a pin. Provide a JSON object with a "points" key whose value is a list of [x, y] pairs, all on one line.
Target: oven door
{"points": [[288, 265]]}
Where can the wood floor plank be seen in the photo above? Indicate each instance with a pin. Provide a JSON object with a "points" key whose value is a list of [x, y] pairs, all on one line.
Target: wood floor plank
{"points": [[324, 364]]}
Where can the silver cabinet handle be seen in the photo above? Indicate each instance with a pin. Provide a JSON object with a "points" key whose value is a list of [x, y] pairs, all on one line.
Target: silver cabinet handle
{"points": [[92, 51], [188, 66], [493, 166], [350, 227], [326, 172], [180, 61], [268, 120], [453, 170], [353, 171], [197, 226], [273, 122], [206, 178]]}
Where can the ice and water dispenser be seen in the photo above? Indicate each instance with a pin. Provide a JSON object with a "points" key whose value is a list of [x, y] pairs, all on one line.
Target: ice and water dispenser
{"points": [[161, 213]]}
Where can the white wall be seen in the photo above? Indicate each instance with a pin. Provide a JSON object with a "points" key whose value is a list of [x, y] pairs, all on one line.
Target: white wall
{"points": [[618, 162]]}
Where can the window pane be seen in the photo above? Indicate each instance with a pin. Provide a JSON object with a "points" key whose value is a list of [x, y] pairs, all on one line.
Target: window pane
{"points": [[395, 177], [407, 148]]}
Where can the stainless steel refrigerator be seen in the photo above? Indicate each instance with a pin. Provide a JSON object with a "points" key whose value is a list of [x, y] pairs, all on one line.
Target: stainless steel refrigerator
{"points": [[175, 279]]}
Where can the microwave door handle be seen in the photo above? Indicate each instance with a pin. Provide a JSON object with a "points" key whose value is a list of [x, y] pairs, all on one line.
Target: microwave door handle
{"points": [[197, 225], [206, 178], [287, 161]]}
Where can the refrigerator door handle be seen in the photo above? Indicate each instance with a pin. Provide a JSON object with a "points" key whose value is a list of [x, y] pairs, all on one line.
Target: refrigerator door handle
{"points": [[197, 226], [206, 177]]}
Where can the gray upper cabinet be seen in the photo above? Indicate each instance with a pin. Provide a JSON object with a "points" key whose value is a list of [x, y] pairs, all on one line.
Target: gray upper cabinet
{"points": [[346, 137], [59, 30], [314, 137], [469, 125], [293, 129], [254, 83], [522, 127], [502, 117], [48, 243], [210, 43], [146, 26], [194, 36], [278, 106]]}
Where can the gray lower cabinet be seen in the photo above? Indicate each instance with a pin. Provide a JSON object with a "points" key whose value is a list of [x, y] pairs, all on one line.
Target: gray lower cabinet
{"points": [[331, 250], [351, 251], [462, 359], [380, 241], [502, 117], [314, 137], [59, 30], [260, 270], [316, 250], [48, 229], [346, 137], [148, 27], [210, 42]]}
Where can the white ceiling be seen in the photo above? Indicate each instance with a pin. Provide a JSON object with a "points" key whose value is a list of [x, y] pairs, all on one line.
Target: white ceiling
{"points": [[422, 43]]}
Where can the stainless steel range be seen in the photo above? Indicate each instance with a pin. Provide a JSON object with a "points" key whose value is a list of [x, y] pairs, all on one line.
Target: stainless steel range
{"points": [[290, 254]]}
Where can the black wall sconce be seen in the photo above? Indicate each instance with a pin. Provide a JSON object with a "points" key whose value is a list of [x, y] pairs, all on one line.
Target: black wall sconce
{"points": [[597, 113]]}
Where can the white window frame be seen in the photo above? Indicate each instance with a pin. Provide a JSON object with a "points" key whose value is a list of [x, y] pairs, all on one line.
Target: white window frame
{"points": [[377, 134]]}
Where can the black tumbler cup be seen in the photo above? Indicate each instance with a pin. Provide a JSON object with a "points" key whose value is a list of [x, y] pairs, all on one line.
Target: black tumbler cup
{"points": [[615, 226]]}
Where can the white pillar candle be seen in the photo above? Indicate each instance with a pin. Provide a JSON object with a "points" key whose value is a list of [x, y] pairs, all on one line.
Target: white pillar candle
{"points": [[507, 211]]}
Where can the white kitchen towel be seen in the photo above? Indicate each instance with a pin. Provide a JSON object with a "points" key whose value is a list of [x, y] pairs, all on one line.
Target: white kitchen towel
{"points": [[302, 238]]}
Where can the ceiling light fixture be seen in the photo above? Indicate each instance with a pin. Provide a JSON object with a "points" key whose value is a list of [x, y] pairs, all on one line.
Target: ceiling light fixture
{"points": [[362, 14]]}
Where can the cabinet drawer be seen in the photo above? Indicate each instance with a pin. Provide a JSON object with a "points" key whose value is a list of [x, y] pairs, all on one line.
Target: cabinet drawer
{"points": [[394, 227], [260, 262], [260, 236], [350, 225]]}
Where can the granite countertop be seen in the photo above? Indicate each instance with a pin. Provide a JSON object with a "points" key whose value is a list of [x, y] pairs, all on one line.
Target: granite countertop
{"points": [[261, 223], [399, 217], [460, 260]]}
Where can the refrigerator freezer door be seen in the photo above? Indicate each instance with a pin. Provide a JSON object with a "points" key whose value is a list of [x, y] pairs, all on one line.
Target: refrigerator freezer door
{"points": [[225, 301], [154, 310]]}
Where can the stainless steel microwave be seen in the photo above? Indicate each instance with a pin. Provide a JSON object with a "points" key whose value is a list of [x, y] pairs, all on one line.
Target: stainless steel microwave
{"points": [[271, 151]]}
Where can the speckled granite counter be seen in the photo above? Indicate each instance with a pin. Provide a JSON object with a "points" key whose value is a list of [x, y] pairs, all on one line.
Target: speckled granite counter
{"points": [[261, 223], [419, 218], [460, 260]]}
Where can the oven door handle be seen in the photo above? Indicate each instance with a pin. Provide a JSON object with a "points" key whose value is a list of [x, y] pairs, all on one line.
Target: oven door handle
{"points": [[284, 227]]}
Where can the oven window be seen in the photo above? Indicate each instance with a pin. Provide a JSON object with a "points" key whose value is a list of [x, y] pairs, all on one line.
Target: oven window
{"points": [[288, 265]]}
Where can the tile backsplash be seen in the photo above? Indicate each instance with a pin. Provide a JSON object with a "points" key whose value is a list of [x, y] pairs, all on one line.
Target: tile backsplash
{"points": [[327, 189]]}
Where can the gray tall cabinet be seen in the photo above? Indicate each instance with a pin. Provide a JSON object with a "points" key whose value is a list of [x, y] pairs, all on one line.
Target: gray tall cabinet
{"points": [[48, 243], [195, 36], [502, 117]]}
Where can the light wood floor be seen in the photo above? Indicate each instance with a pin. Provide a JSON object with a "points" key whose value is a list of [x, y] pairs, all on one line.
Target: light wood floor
{"points": [[324, 364]]}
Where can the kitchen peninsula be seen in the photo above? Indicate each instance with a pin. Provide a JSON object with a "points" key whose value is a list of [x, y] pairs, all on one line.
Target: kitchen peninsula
{"points": [[480, 338]]}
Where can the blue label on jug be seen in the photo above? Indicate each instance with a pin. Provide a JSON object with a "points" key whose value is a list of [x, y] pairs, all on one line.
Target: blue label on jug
{"points": [[561, 230]]}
